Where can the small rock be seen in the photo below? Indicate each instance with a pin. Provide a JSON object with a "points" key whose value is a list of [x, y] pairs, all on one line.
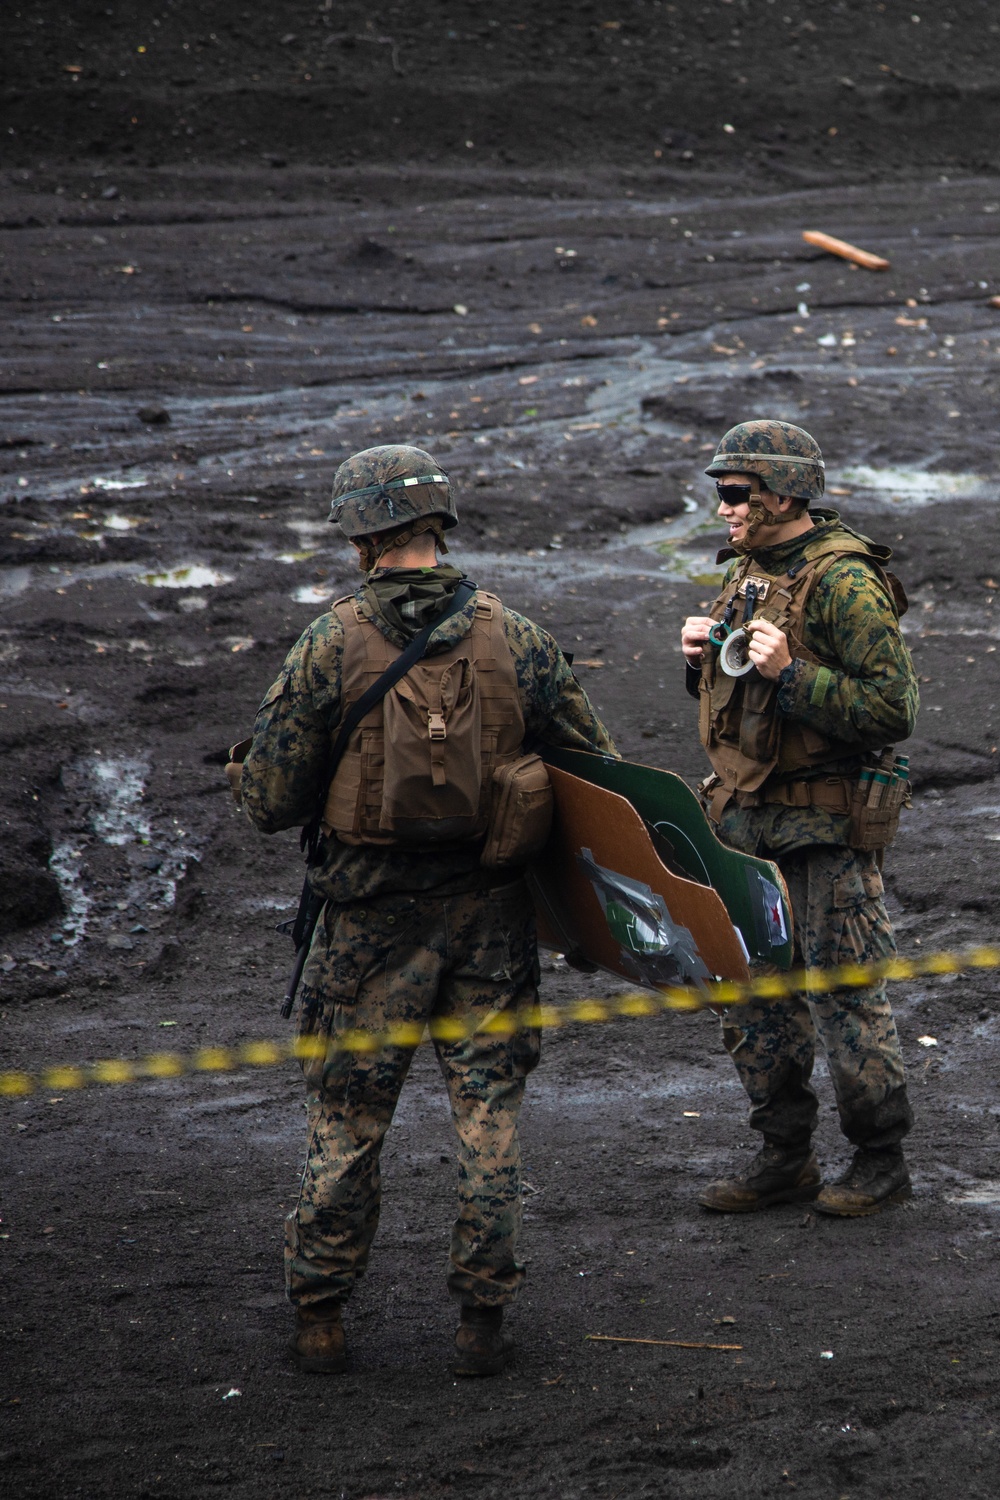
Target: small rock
{"points": [[110, 193], [154, 416], [119, 940]]}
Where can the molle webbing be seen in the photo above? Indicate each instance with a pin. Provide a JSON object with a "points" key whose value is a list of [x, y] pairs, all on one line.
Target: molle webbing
{"points": [[354, 805], [745, 737]]}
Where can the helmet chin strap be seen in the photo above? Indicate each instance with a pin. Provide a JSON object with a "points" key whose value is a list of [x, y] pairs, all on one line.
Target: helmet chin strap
{"points": [[759, 516], [371, 549]]}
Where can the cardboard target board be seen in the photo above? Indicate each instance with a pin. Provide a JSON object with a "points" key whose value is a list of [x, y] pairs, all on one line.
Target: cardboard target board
{"points": [[611, 889]]}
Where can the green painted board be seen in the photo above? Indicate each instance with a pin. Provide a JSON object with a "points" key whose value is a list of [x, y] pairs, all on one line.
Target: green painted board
{"points": [[751, 889]]}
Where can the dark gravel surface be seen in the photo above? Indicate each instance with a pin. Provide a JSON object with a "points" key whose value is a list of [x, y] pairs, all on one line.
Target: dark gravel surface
{"points": [[198, 327]]}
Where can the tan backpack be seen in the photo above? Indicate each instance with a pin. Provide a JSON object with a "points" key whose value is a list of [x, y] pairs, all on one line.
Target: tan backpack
{"points": [[439, 759], [432, 776]]}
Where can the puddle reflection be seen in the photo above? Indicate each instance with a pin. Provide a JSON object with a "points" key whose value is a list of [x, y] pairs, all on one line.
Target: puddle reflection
{"points": [[189, 576]]}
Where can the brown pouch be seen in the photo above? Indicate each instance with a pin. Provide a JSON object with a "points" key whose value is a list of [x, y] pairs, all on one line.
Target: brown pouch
{"points": [[234, 769], [877, 801], [521, 813], [432, 787], [760, 723]]}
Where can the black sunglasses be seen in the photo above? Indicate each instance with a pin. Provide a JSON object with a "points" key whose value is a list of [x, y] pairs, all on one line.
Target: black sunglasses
{"points": [[734, 494]]}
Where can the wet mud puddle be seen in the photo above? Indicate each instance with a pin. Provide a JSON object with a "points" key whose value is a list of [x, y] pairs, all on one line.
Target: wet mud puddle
{"points": [[572, 363], [622, 429]]}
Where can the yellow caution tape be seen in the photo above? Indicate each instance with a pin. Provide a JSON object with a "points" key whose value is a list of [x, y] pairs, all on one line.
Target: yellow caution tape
{"points": [[631, 1005]]}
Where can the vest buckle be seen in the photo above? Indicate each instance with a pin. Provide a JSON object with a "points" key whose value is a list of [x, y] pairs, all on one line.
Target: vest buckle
{"points": [[436, 726]]}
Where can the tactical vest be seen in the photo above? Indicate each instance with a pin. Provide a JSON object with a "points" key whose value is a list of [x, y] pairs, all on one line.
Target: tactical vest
{"points": [[354, 808], [746, 738]]}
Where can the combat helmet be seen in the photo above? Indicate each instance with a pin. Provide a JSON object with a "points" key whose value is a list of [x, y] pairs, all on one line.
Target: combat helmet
{"points": [[395, 489], [784, 458]]}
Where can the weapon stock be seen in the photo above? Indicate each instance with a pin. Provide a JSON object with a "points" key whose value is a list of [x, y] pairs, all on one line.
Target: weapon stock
{"points": [[302, 929]]}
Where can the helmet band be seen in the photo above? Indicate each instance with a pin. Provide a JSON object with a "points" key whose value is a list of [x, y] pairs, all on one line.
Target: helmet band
{"points": [[381, 489], [776, 458]]}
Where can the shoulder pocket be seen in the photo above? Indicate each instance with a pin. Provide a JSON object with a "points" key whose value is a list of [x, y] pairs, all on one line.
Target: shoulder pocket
{"points": [[274, 692]]}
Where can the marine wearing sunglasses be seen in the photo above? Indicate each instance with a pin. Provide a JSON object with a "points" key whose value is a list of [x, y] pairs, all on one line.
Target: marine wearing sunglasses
{"points": [[740, 497]]}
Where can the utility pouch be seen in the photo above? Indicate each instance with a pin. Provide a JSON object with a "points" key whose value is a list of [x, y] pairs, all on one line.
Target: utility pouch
{"points": [[432, 786], [759, 725], [881, 793], [520, 813]]}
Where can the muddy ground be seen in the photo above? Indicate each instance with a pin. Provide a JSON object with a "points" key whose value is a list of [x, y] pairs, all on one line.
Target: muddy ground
{"points": [[197, 329]]}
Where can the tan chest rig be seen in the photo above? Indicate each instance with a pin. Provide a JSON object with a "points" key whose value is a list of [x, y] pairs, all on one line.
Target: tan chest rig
{"points": [[747, 740], [355, 808]]}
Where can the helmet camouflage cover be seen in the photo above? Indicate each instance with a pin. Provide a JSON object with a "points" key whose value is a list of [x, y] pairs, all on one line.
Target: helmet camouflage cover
{"points": [[785, 458], [391, 486]]}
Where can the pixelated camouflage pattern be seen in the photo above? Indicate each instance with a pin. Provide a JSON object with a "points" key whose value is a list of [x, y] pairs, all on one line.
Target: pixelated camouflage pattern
{"points": [[786, 459], [867, 695], [387, 508], [840, 917], [396, 960], [285, 771]]}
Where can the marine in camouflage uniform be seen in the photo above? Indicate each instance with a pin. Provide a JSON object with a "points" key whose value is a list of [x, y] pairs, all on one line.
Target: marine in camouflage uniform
{"points": [[847, 687], [407, 934]]}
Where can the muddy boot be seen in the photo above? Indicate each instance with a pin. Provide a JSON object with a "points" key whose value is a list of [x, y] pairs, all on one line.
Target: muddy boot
{"points": [[481, 1346], [873, 1179], [317, 1346], [777, 1174]]}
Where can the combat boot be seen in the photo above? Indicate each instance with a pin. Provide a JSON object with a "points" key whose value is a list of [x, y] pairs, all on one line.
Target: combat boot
{"points": [[873, 1179], [481, 1345], [777, 1174], [317, 1345]]}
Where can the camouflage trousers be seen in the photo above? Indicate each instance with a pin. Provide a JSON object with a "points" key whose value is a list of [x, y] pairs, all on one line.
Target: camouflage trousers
{"points": [[840, 917], [394, 959]]}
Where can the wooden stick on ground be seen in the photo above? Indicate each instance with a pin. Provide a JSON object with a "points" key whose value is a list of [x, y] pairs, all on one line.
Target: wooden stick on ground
{"points": [[844, 250], [611, 1338]]}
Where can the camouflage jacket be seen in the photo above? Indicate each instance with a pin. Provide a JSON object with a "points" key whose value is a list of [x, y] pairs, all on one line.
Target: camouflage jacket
{"points": [[285, 773], [869, 697]]}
